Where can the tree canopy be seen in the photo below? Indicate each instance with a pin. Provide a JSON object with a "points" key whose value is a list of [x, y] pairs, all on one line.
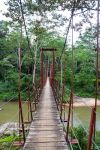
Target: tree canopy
{"points": [[44, 22]]}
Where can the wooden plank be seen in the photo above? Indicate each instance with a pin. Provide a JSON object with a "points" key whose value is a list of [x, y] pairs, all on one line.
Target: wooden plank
{"points": [[43, 139], [47, 144], [45, 148], [46, 130]]}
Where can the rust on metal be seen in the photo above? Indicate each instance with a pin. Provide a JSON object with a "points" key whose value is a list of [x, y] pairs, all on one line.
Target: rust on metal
{"points": [[61, 108], [29, 99], [74, 141], [91, 128], [97, 69], [69, 115], [21, 121], [41, 72], [18, 144]]}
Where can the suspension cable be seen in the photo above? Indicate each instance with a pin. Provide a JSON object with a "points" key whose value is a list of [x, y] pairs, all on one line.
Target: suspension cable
{"points": [[97, 58], [6, 103], [66, 37], [73, 9], [97, 67], [91, 108], [76, 138], [15, 115], [72, 78], [28, 41], [29, 47], [24, 119], [84, 128]]}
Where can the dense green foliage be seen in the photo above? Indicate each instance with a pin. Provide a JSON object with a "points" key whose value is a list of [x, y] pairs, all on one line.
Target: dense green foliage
{"points": [[84, 66], [84, 61], [6, 142], [43, 28], [9, 63], [44, 19], [81, 135]]}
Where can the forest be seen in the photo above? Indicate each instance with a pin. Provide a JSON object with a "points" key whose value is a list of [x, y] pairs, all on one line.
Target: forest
{"points": [[43, 33], [72, 29]]}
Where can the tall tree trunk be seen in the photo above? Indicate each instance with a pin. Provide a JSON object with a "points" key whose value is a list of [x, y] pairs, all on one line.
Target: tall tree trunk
{"points": [[34, 69]]}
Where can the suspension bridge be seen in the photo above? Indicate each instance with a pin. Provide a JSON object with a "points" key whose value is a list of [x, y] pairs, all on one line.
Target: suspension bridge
{"points": [[50, 128], [46, 131], [49, 125]]}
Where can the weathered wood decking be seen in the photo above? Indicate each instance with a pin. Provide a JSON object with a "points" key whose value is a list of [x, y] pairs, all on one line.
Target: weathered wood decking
{"points": [[46, 131]]}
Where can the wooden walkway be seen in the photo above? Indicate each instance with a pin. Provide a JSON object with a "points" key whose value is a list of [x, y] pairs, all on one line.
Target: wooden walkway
{"points": [[46, 131]]}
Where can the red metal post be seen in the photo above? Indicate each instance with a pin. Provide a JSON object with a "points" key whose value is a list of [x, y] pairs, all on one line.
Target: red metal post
{"points": [[72, 80], [56, 89], [29, 99], [19, 96], [61, 104], [53, 67], [97, 65], [64, 112], [69, 114], [41, 73], [92, 122], [45, 74], [51, 74]]}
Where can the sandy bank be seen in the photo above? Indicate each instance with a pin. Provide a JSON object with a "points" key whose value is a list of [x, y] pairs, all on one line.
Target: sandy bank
{"points": [[83, 102]]}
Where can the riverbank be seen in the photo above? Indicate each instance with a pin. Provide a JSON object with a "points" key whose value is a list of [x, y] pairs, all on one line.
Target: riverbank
{"points": [[83, 102], [9, 128]]}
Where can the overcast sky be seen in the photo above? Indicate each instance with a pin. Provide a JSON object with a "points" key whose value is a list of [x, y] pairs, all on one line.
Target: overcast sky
{"points": [[3, 8]]}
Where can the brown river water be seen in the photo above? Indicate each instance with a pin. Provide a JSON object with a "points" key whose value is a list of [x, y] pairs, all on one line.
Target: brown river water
{"points": [[9, 113]]}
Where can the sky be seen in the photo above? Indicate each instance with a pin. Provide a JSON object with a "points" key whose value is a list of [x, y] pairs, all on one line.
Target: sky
{"points": [[3, 8]]}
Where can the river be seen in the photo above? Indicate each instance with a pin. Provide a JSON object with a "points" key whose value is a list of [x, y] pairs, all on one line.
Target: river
{"points": [[9, 113]]}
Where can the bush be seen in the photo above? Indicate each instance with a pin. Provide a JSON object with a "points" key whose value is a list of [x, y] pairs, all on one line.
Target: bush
{"points": [[81, 136]]}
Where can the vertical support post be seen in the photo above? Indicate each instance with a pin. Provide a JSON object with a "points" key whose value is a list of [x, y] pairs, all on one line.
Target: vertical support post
{"points": [[45, 73], [64, 112], [34, 68], [34, 72], [61, 72], [57, 95], [72, 82], [29, 99], [61, 105], [19, 95], [53, 67], [91, 128], [48, 69], [35, 91], [41, 73], [97, 56], [69, 114], [51, 74], [97, 66], [56, 88]]}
